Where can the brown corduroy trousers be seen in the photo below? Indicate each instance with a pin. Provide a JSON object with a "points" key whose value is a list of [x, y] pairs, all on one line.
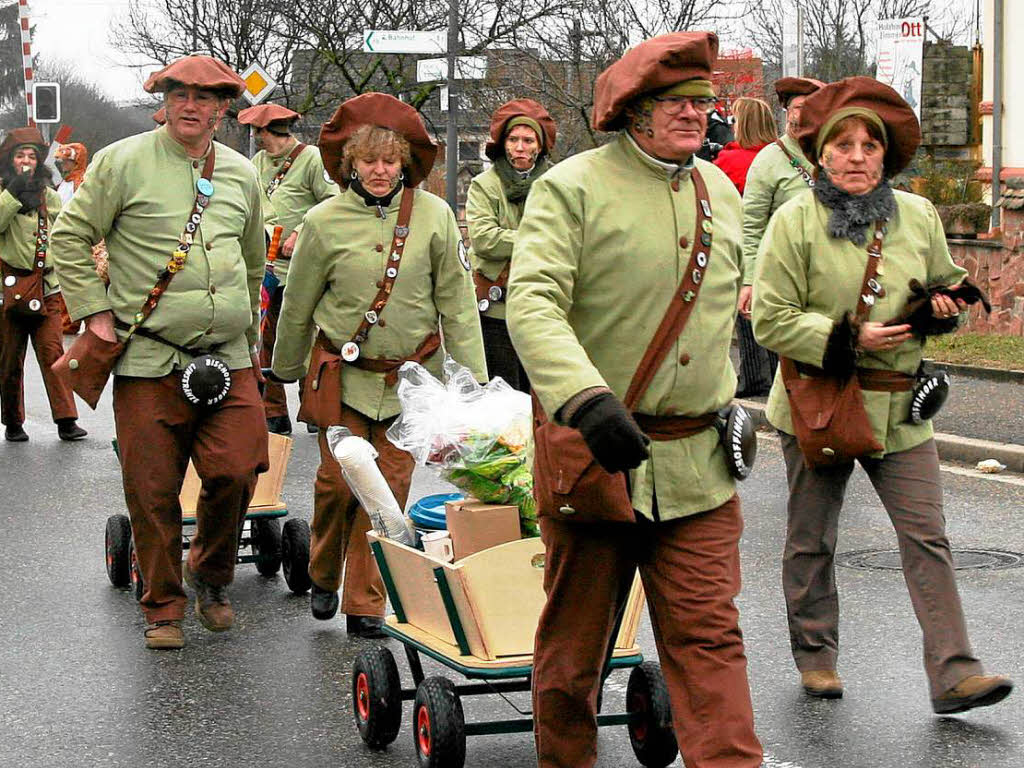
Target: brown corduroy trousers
{"points": [[275, 400], [48, 342], [910, 489], [340, 524], [691, 574], [158, 431]]}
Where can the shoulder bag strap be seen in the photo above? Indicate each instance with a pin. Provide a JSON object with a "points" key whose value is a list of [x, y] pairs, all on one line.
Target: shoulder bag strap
{"points": [[180, 255], [350, 350], [683, 301], [870, 290], [42, 236], [796, 164], [276, 181]]}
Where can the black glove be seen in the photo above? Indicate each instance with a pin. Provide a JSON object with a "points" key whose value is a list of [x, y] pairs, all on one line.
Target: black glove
{"points": [[840, 358], [610, 432], [269, 375], [29, 190], [918, 311], [19, 183]]}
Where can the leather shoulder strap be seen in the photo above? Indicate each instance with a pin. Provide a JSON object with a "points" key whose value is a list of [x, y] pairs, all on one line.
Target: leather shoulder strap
{"points": [[683, 301]]}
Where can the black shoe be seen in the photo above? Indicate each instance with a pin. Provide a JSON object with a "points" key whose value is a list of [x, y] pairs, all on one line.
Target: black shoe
{"points": [[15, 434], [280, 425], [323, 603], [312, 428], [68, 429], [366, 627]]}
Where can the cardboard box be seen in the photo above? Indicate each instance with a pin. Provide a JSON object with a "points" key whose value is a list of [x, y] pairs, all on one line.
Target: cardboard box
{"points": [[497, 595], [475, 526], [268, 485]]}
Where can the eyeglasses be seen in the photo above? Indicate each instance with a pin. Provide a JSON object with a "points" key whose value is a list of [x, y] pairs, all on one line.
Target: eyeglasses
{"points": [[673, 105]]}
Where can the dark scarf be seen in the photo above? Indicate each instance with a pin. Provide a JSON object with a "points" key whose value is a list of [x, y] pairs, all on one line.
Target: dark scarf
{"points": [[851, 214], [517, 185], [372, 200]]}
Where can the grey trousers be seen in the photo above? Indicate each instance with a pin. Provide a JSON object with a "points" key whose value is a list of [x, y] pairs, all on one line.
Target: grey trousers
{"points": [[909, 487], [757, 364]]}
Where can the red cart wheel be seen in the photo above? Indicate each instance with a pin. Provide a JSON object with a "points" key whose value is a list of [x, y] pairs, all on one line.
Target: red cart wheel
{"points": [[440, 734], [376, 697], [135, 570], [650, 723]]}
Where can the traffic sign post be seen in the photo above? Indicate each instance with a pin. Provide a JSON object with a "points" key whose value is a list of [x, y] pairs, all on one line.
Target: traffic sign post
{"points": [[46, 102], [403, 41], [258, 84]]}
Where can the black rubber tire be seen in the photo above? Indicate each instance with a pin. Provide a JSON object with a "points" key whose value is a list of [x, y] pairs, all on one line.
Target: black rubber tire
{"points": [[117, 540], [295, 555], [440, 736], [266, 545], [650, 728], [137, 584], [376, 697]]}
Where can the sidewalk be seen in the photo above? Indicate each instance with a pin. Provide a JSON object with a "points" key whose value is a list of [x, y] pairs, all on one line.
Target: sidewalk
{"points": [[982, 419]]}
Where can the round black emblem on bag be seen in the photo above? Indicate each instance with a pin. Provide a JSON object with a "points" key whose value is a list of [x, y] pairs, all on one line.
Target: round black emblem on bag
{"points": [[206, 381], [739, 440], [929, 396]]}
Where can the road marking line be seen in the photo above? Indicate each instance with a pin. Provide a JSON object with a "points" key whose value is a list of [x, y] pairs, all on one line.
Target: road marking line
{"points": [[771, 762]]}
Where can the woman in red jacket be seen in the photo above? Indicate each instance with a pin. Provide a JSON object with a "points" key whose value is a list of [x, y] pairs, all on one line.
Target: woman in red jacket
{"points": [[755, 128]]}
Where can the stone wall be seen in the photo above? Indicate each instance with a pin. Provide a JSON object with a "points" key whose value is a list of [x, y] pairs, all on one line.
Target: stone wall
{"points": [[946, 95], [997, 267]]}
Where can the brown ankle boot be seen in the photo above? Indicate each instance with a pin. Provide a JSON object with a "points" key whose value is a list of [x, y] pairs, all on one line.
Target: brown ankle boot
{"points": [[212, 605], [823, 683], [971, 692], [165, 636]]}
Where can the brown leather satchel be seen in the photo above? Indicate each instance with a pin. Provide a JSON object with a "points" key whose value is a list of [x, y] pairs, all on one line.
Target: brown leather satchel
{"points": [[568, 483], [23, 288], [87, 364], [321, 399], [829, 419]]}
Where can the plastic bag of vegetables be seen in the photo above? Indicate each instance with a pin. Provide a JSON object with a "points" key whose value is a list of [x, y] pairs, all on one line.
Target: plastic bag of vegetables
{"points": [[477, 437]]}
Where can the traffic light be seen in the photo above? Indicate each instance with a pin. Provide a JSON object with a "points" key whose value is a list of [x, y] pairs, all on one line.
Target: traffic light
{"points": [[46, 102]]}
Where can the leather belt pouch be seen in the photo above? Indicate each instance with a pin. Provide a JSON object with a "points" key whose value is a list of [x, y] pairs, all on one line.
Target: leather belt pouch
{"points": [[87, 365], [321, 400]]}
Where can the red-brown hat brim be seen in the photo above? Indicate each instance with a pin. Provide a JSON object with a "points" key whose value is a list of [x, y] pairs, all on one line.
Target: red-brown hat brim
{"points": [[788, 87], [655, 64], [263, 115], [27, 135], [160, 116], [385, 111], [203, 72], [495, 147], [902, 127]]}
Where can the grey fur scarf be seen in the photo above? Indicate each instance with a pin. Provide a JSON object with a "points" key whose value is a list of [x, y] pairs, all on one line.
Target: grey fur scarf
{"points": [[851, 214]]}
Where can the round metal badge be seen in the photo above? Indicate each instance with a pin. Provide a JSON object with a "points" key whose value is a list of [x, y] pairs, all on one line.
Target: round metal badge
{"points": [[350, 352], [483, 305], [205, 187], [464, 256], [10, 280], [34, 305], [392, 272], [494, 293], [371, 317]]}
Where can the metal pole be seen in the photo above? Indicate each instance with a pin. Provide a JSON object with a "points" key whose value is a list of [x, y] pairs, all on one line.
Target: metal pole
{"points": [[997, 107], [26, 54], [452, 148], [799, 41]]}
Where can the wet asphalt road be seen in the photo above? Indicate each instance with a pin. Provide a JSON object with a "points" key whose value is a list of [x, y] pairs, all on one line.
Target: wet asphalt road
{"points": [[77, 687]]}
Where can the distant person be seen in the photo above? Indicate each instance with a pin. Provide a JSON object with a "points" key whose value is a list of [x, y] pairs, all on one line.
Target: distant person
{"points": [[183, 221], [833, 271], [28, 208], [522, 137], [778, 173], [72, 161], [719, 134], [755, 129], [292, 176]]}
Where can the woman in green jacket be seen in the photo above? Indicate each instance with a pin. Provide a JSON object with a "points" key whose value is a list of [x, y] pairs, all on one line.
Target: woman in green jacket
{"points": [[378, 289], [811, 274]]}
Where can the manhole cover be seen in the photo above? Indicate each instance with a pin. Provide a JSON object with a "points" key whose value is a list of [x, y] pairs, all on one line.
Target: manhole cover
{"points": [[963, 559]]}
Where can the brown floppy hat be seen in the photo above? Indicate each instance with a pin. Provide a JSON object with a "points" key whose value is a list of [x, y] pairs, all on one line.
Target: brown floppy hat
{"points": [[263, 115], [384, 111], [527, 108], [853, 94], [653, 65], [788, 87], [200, 72], [18, 137]]}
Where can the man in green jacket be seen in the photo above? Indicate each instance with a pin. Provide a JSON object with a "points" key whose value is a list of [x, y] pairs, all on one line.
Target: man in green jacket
{"points": [[605, 239], [779, 172], [293, 180], [174, 193], [522, 137]]}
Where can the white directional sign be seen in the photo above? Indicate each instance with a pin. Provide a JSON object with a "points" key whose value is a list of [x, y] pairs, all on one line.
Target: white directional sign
{"points": [[404, 41], [466, 68], [258, 84]]}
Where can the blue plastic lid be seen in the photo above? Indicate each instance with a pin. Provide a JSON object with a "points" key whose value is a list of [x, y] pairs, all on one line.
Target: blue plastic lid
{"points": [[429, 512]]}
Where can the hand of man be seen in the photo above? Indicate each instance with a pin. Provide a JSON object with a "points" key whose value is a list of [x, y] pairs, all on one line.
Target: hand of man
{"points": [[288, 246], [102, 324], [743, 305], [611, 433]]}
